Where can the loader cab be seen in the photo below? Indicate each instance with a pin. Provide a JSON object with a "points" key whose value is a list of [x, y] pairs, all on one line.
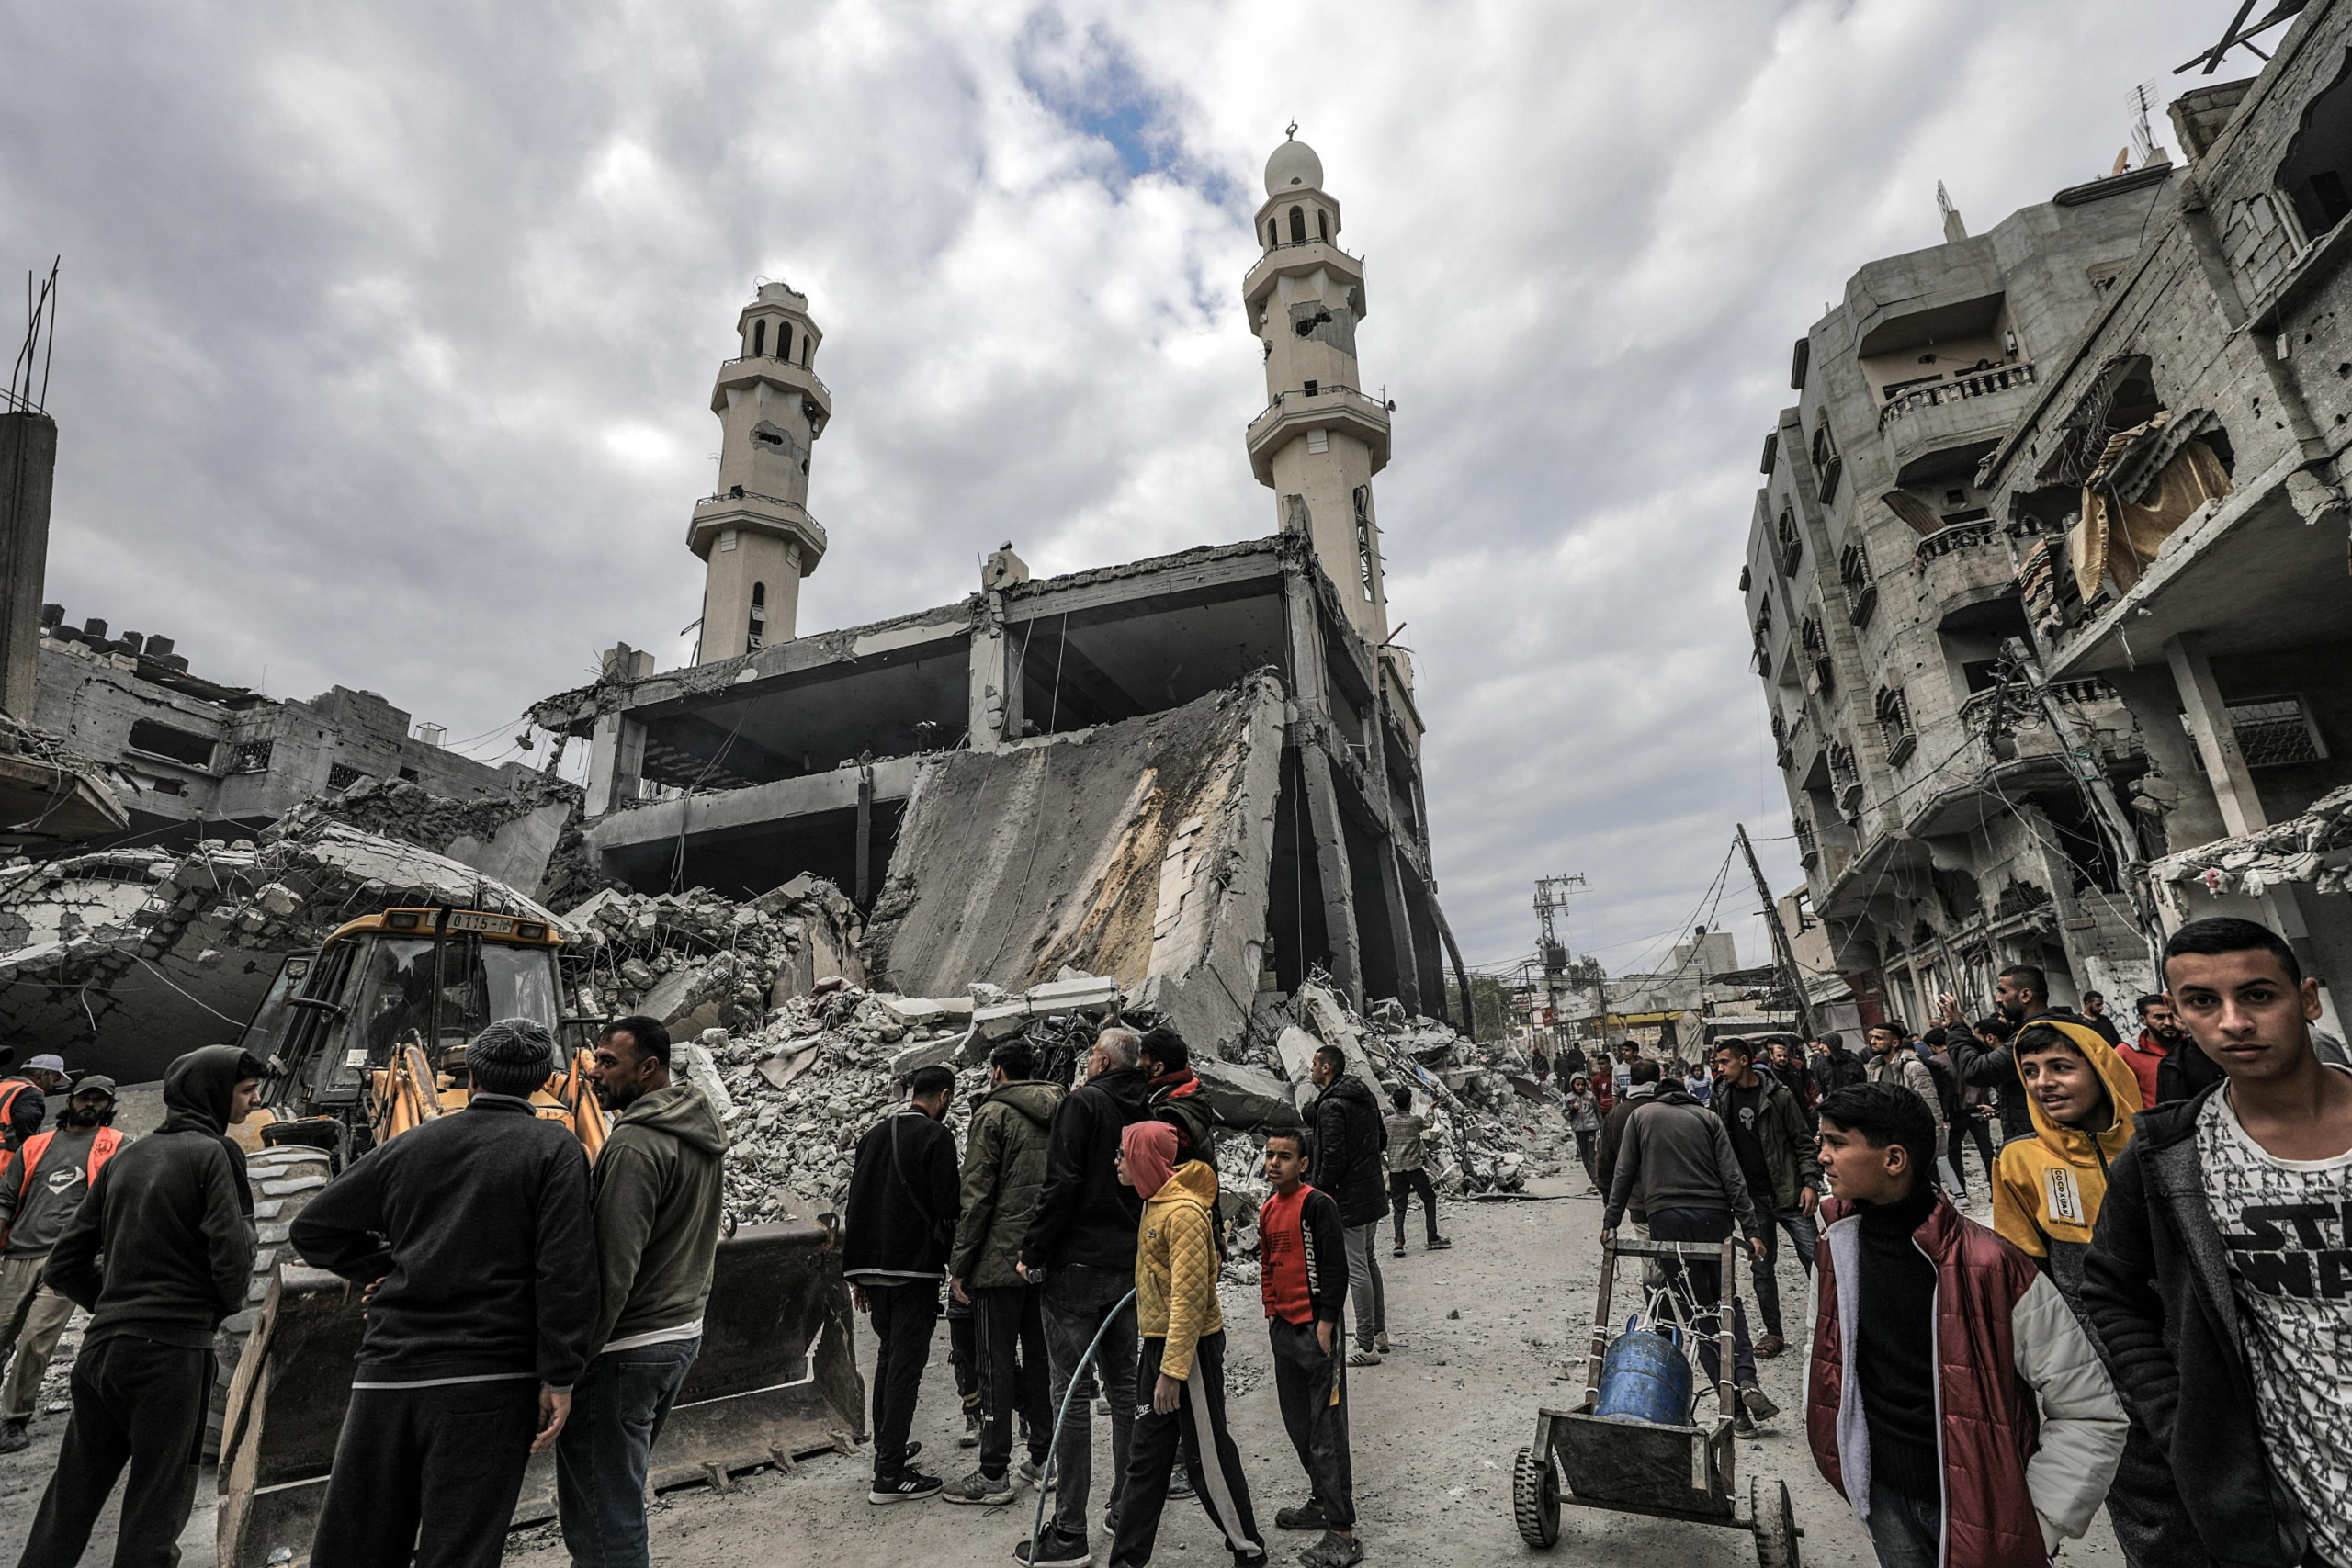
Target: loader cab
{"points": [[428, 977]]}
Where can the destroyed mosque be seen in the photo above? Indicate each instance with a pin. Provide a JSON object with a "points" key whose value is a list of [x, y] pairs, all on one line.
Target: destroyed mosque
{"points": [[1188, 786]]}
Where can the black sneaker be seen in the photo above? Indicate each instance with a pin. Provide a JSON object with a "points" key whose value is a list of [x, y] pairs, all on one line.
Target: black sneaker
{"points": [[1180, 1484], [907, 1487], [1758, 1403], [1334, 1550], [987, 1490], [15, 1439], [1055, 1549], [1743, 1425], [1308, 1516], [971, 1437]]}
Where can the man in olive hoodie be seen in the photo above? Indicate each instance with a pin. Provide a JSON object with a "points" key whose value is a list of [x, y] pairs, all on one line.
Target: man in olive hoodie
{"points": [[1004, 1167], [159, 1251], [657, 1188]]}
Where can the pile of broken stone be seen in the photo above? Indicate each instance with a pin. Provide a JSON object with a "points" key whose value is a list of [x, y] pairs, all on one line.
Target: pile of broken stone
{"points": [[801, 1086]]}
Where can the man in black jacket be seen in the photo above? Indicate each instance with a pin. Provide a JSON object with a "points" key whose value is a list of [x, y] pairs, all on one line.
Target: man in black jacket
{"points": [[1082, 1248], [2216, 1279], [159, 1251], [897, 1226], [473, 1235], [2021, 995], [1350, 1134]]}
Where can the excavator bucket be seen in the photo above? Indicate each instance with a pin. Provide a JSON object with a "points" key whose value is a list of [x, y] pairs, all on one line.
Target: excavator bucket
{"points": [[777, 1378]]}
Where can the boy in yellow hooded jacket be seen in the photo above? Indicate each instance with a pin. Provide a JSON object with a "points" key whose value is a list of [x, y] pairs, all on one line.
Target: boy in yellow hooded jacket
{"points": [[2047, 1190], [1183, 1359]]}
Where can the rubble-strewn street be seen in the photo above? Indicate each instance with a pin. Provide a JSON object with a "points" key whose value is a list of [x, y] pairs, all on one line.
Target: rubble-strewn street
{"points": [[1434, 1429]]}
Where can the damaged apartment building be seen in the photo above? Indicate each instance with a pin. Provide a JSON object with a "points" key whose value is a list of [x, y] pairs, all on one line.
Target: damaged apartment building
{"points": [[2047, 581], [1198, 775]]}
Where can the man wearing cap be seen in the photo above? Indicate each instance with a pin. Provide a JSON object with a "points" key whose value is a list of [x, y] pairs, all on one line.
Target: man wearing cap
{"points": [[161, 1251], [24, 1101], [39, 1189], [473, 1235]]}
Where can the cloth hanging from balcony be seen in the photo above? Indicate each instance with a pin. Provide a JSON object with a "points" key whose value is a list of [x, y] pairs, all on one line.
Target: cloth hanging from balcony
{"points": [[1913, 510], [2150, 480]]}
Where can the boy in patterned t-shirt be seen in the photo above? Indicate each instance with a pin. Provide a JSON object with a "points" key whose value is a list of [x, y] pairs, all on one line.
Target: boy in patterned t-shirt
{"points": [[2221, 1273]]}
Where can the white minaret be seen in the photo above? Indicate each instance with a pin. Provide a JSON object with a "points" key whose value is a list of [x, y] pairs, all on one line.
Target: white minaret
{"points": [[755, 533], [1321, 437]]}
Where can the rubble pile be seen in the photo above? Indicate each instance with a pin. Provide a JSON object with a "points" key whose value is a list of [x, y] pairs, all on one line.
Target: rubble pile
{"points": [[2315, 847], [696, 960], [527, 838], [134, 955]]}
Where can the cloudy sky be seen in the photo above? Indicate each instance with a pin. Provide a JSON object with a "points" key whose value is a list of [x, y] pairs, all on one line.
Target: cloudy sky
{"points": [[389, 329]]}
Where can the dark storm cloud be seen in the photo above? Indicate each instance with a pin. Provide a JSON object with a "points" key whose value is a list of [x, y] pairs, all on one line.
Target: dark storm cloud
{"points": [[388, 332]]}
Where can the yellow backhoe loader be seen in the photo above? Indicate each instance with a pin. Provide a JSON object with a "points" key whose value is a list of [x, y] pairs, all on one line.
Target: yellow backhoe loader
{"points": [[365, 1039]]}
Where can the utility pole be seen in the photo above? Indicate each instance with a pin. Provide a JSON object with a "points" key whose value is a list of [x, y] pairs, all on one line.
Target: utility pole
{"points": [[2080, 758], [1552, 895], [1784, 954]]}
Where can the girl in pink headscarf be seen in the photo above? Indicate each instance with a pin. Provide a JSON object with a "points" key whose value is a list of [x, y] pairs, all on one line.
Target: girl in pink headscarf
{"points": [[1183, 1350]]}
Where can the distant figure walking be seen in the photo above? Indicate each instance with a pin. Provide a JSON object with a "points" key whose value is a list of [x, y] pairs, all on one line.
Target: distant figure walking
{"points": [[1406, 1156]]}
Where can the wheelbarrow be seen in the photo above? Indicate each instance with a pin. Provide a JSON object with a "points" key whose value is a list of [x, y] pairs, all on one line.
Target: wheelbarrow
{"points": [[1679, 1470]]}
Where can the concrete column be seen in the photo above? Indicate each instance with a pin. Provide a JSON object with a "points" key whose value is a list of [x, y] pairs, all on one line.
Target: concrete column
{"points": [[2208, 725], [27, 468], [993, 706], [1310, 729], [616, 759]]}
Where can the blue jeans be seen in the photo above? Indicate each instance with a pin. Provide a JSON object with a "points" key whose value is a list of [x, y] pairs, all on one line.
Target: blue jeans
{"points": [[1906, 1533], [1765, 1275], [618, 1409]]}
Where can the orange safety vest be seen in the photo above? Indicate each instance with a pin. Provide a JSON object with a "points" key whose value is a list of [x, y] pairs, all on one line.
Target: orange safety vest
{"points": [[9, 1090], [102, 1148]]}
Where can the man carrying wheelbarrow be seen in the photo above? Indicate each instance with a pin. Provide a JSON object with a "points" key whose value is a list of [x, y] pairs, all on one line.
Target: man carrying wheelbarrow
{"points": [[1678, 1155]]}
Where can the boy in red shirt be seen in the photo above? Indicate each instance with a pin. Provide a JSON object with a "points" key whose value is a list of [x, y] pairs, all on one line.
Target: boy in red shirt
{"points": [[1303, 1277]]}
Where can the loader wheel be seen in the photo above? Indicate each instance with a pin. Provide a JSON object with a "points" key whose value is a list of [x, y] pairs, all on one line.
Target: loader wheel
{"points": [[1535, 1498], [1776, 1523], [283, 1179]]}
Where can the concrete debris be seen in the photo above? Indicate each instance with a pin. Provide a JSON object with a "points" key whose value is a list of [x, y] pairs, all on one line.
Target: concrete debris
{"points": [[519, 837], [124, 958], [697, 961]]}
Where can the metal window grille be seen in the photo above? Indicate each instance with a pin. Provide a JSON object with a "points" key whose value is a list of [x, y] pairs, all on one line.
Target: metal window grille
{"points": [[2274, 732]]}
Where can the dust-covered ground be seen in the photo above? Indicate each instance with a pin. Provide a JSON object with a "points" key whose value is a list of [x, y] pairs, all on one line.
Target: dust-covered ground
{"points": [[1482, 1332]]}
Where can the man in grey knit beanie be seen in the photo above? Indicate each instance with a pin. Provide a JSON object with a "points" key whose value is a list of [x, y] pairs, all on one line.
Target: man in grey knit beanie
{"points": [[514, 1056], [475, 1231]]}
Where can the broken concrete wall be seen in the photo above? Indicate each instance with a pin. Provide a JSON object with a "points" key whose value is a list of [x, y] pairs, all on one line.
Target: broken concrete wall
{"points": [[511, 839], [1137, 851], [124, 959]]}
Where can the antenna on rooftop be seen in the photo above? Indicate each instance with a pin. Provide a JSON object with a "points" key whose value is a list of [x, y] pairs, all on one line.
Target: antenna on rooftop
{"points": [[2143, 136]]}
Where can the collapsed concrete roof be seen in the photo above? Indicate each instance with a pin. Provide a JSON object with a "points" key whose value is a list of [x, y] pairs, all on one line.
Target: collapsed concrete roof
{"points": [[1138, 851]]}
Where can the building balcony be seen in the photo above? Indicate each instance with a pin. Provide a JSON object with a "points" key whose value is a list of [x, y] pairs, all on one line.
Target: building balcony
{"points": [[752, 369], [1966, 574], [753, 513], [1946, 425], [1316, 407], [1300, 261]]}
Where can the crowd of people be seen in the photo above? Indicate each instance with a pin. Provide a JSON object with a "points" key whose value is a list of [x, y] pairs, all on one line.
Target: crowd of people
{"points": [[2154, 1315], [1083, 1232], [2153, 1318]]}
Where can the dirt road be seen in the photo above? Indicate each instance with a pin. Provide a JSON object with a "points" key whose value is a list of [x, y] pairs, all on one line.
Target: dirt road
{"points": [[1482, 1331]]}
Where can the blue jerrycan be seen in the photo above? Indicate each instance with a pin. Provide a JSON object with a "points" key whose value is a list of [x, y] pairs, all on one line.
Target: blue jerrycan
{"points": [[1646, 1377]]}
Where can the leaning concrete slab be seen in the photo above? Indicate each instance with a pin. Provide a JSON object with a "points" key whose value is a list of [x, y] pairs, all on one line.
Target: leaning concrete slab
{"points": [[1138, 852]]}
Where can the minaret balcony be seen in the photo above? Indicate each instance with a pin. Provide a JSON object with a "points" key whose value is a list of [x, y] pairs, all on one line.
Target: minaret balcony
{"points": [[1301, 260], [751, 512], [1292, 414], [752, 369]]}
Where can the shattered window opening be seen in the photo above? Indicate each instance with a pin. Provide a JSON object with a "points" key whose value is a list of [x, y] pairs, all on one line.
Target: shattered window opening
{"points": [[1364, 551], [2274, 732], [757, 626], [178, 745], [251, 756], [343, 775]]}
